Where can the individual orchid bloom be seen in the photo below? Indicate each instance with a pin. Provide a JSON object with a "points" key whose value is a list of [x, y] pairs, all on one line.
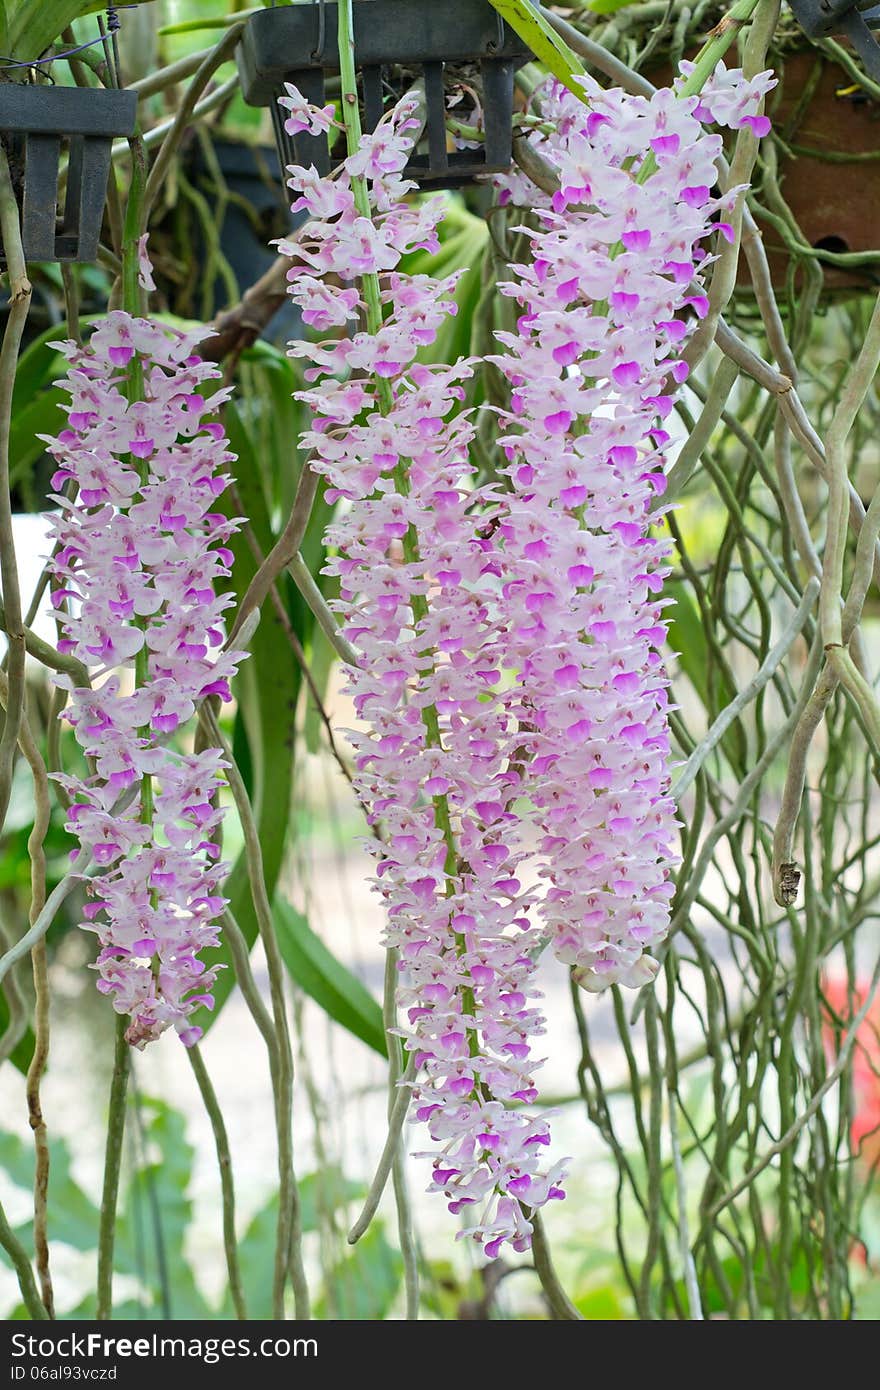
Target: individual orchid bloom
{"points": [[145, 266], [313, 120], [138, 554], [727, 98]]}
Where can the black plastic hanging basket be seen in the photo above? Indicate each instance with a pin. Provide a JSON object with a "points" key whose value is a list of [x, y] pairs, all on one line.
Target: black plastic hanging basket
{"points": [[37, 125], [394, 41]]}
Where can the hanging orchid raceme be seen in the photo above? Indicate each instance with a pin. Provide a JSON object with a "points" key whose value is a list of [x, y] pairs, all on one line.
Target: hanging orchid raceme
{"points": [[140, 546], [436, 762], [609, 296]]}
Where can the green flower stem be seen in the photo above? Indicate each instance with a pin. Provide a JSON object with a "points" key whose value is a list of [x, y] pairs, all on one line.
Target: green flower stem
{"points": [[351, 117], [371, 294], [133, 303], [131, 298], [713, 50], [720, 39], [372, 299], [739, 174], [112, 1166]]}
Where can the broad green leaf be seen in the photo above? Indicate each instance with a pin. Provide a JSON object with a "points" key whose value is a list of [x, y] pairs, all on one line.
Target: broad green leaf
{"points": [[73, 1217], [363, 1287], [21, 1054], [544, 42], [609, 6], [601, 1305], [687, 637], [31, 25], [157, 1210], [39, 364], [322, 660], [17, 1160], [256, 1258], [129, 1311], [329, 1191], [326, 980], [42, 415], [267, 689]]}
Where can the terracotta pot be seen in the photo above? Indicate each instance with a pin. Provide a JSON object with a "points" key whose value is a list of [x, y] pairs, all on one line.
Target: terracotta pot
{"points": [[836, 201]]}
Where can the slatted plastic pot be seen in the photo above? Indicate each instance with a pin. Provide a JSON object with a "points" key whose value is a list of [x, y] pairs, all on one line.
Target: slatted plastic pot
{"points": [[41, 124], [395, 41]]}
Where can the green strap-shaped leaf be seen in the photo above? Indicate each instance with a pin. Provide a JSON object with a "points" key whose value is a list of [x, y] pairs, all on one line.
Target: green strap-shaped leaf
{"points": [[609, 6], [31, 25], [362, 1287], [42, 415], [326, 980], [23, 1051], [267, 689], [321, 1195], [687, 637], [156, 1214], [544, 42]]}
